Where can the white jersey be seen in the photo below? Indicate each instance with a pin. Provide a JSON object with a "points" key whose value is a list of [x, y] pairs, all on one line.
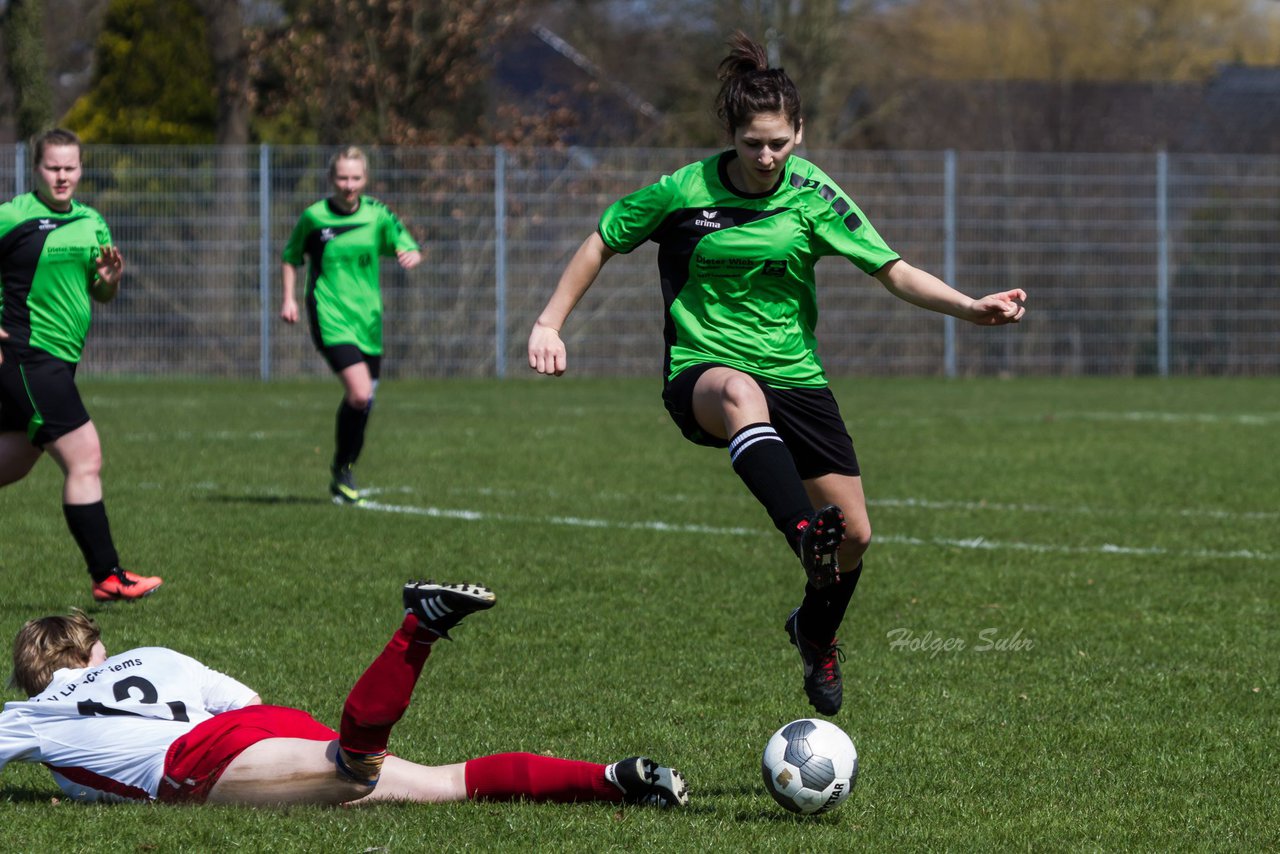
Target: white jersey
{"points": [[104, 731]]}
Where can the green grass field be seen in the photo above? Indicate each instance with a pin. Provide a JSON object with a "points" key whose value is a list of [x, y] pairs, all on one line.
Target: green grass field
{"points": [[1066, 636]]}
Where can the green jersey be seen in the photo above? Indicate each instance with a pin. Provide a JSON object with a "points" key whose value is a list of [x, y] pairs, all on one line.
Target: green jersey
{"points": [[737, 269], [343, 296], [48, 260]]}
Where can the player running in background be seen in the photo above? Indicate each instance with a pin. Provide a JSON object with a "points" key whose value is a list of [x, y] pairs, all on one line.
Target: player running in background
{"points": [[739, 234], [55, 255], [343, 236], [153, 724]]}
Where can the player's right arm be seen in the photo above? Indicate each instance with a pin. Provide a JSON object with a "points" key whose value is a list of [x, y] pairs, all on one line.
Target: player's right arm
{"points": [[546, 349], [288, 304], [292, 259]]}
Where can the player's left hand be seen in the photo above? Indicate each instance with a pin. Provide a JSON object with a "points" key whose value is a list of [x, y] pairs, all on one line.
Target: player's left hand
{"points": [[110, 265], [409, 258], [4, 336], [999, 309]]}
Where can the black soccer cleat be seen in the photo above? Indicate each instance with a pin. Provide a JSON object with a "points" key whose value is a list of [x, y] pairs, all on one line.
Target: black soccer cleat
{"points": [[440, 607], [819, 541], [823, 684], [643, 781], [342, 486]]}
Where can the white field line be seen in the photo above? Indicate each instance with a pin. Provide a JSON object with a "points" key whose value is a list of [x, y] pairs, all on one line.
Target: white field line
{"points": [[1085, 511], [921, 503], [1246, 419], [978, 543]]}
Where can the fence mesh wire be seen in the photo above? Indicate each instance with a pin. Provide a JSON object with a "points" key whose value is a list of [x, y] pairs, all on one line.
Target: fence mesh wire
{"points": [[1134, 264]]}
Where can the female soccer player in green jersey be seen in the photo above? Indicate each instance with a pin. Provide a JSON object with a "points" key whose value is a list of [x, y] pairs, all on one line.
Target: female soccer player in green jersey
{"points": [[55, 255], [343, 236], [739, 234]]}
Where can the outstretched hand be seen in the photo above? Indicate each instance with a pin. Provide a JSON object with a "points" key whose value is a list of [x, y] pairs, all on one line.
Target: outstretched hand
{"points": [[999, 309], [110, 265], [409, 258]]}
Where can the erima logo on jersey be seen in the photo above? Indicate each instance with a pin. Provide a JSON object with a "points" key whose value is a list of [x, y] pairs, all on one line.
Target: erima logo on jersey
{"points": [[326, 234], [708, 220], [48, 225]]}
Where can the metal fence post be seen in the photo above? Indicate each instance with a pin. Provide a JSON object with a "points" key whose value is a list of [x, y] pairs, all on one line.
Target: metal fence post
{"points": [[500, 260], [20, 169], [949, 260], [264, 261], [1162, 263]]}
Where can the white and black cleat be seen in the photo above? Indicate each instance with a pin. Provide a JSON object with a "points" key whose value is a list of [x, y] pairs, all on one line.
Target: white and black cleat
{"points": [[643, 781], [440, 607]]}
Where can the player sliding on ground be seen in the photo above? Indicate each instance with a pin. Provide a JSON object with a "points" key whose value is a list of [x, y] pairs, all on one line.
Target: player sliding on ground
{"points": [[152, 724]]}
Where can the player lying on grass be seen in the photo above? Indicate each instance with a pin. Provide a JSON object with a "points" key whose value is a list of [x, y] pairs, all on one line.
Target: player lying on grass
{"points": [[153, 724]]}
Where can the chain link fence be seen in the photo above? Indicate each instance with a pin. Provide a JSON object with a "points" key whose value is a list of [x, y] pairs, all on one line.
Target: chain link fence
{"points": [[1135, 264]]}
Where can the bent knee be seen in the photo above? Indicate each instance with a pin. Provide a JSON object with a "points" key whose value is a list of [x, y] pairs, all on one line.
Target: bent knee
{"points": [[856, 542], [740, 390]]}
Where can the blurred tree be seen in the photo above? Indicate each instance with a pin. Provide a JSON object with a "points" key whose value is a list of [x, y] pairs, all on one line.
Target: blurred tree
{"points": [[25, 63], [1063, 40], [669, 51], [822, 44], [153, 79], [228, 51], [383, 71]]}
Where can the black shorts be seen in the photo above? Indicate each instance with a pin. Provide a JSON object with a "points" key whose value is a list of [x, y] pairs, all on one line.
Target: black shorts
{"points": [[807, 419], [342, 356], [38, 396]]}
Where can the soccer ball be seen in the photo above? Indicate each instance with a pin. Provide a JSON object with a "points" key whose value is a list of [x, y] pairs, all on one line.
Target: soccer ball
{"points": [[809, 766]]}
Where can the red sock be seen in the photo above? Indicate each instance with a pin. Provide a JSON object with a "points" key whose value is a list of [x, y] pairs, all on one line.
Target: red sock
{"points": [[511, 776], [381, 694]]}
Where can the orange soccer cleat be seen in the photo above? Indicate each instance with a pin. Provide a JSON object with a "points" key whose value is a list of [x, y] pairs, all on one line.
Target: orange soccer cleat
{"points": [[122, 584]]}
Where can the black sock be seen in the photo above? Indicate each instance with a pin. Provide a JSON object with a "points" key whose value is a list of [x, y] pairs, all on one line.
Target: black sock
{"points": [[823, 610], [88, 524], [762, 460], [350, 433]]}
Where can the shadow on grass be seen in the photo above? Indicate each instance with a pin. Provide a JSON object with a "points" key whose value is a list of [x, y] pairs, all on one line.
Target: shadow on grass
{"points": [[29, 795], [767, 813], [286, 500]]}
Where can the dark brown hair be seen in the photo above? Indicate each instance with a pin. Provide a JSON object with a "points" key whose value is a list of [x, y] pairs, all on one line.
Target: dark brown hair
{"points": [[750, 87], [55, 138]]}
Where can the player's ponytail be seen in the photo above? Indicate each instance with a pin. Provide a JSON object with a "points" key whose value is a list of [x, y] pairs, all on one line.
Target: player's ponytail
{"points": [[750, 87]]}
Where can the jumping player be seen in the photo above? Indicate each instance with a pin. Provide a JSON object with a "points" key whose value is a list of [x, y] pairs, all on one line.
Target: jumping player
{"points": [[343, 236], [739, 234], [152, 724], [55, 255]]}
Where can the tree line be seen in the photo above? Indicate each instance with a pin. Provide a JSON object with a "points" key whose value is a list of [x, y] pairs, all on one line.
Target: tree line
{"points": [[400, 72]]}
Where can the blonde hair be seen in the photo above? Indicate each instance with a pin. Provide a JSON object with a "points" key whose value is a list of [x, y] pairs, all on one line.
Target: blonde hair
{"points": [[50, 643], [351, 152]]}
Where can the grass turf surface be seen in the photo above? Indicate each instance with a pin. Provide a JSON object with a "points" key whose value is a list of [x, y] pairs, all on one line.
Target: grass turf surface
{"points": [[1066, 636]]}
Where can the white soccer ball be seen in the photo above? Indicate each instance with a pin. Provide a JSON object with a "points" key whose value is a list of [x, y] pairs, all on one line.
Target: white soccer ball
{"points": [[809, 766]]}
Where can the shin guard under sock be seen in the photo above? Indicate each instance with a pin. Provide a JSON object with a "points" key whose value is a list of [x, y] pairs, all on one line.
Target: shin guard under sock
{"points": [[382, 693], [762, 460], [822, 611], [512, 776], [349, 438], [92, 533]]}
